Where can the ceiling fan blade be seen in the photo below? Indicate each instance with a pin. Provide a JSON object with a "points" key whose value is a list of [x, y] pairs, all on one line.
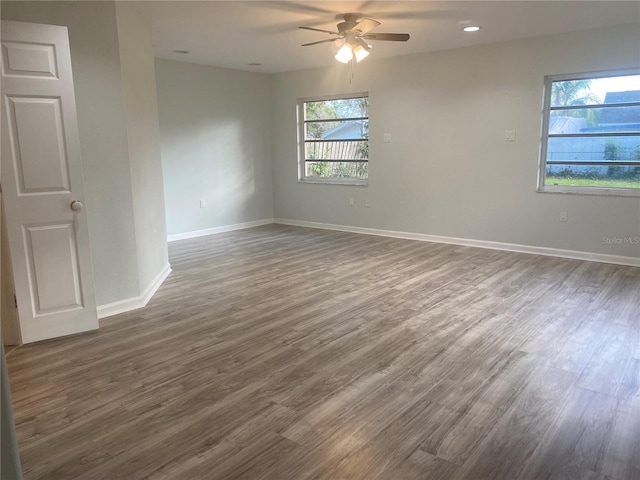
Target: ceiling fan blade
{"points": [[366, 25], [319, 30], [320, 41], [389, 37]]}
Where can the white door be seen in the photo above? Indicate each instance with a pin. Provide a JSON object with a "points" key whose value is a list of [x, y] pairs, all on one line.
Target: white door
{"points": [[42, 184]]}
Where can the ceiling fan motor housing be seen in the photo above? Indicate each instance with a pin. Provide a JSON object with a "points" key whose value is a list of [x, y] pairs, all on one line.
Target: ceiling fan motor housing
{"points": [[350, 21]]}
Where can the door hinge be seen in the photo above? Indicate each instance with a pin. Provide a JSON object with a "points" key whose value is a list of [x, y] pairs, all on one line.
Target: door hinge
{"points": [[15, 301]]}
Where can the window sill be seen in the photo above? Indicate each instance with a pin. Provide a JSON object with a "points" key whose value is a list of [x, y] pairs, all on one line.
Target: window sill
{"points": [[336, 181], [610, 192]]}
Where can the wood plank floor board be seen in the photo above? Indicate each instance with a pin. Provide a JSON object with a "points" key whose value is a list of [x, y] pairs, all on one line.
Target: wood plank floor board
{"points": [[622, 459], [606, 369], [580, 438], [419, 466], [521, 428], [478, 420], [283, 353], [386, 449]]}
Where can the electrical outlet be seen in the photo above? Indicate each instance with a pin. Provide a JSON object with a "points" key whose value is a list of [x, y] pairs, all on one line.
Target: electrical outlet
{"points": [[367, 203], [351, 201], [563, 216], [203, 203], [387, 138], [509, 135]]}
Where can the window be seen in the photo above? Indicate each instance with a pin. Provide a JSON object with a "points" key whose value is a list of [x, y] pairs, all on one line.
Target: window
{"points": [[333, 138], [591, 134]]}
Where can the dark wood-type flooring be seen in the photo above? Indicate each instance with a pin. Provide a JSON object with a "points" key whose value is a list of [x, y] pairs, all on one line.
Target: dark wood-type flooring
{"points": [[291, 353]]}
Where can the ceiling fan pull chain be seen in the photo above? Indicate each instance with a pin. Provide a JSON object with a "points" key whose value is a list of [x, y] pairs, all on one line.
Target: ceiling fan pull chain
{"points": [[351, 78]]}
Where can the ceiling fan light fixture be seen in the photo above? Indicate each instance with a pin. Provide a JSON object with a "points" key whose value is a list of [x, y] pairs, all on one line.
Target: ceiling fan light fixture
{"points": [[353, 35], [361, 50], [360, 53], [345, 54]]}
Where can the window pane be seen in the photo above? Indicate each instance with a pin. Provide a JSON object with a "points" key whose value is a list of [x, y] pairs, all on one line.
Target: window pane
{"points": [[343, 108], [339, 130], [605, 90], [594, 148], [337, 169], [614, 176], [347, 150], [335, 143], [586, 120]]}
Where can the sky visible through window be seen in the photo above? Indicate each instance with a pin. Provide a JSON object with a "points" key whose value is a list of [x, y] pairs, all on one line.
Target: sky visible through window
{"points": [[600, 86]]}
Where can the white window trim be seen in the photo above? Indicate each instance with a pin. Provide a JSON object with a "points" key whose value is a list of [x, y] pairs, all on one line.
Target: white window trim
{"points": [[302, 178], [544, 138]]}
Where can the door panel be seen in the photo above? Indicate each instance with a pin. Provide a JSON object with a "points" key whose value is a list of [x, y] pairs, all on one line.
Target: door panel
{"points": [[29, 59], [37, 143], [41, 179], [53, 267]]}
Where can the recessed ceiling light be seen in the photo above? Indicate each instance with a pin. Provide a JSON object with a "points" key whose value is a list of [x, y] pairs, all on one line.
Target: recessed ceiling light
{"points": [[254, 64], [471, 28], [181, 51]]}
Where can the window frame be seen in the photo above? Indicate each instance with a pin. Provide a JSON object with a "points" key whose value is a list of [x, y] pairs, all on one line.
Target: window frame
{"points": [[544, 138], [302, 176]]}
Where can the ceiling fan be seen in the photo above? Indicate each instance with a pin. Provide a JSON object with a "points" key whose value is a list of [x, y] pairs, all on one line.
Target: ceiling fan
{"points": [[355, 35]]}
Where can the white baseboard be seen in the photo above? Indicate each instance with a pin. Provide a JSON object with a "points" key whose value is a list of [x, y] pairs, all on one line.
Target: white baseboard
{"points": [[121, 306], [215, 230], [134, 303], [510, 247], [153, 287]]}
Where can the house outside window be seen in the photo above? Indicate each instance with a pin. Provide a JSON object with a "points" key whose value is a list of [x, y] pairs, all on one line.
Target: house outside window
{"points": [[333, 139], [591, 134]]}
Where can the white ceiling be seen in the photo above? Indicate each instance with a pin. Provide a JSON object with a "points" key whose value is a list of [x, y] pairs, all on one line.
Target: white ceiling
{"points": [[233, 34]]}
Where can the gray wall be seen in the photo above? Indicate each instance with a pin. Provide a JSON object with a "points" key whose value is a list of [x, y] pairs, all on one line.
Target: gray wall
{"points": [[216, 145], [103, 136], [448, 170], [145, 164]]}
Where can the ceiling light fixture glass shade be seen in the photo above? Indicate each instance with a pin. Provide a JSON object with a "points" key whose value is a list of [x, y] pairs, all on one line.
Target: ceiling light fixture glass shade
{"points": [[360, 53], [361, 50], [345, 54]]}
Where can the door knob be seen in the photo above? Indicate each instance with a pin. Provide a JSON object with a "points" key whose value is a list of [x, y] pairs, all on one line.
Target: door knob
{"points": [[76, 206]]}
